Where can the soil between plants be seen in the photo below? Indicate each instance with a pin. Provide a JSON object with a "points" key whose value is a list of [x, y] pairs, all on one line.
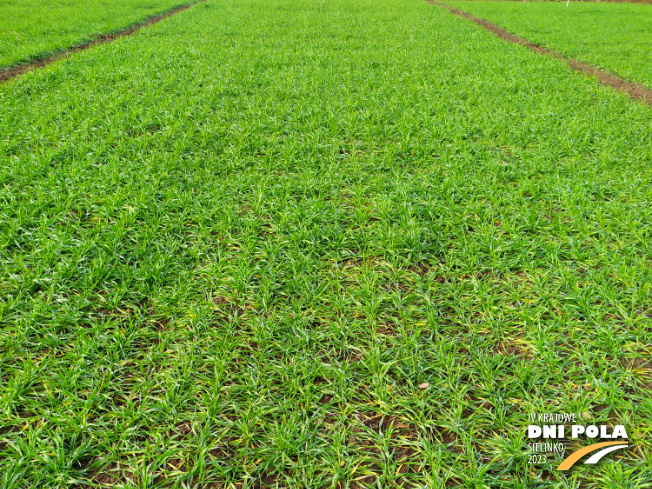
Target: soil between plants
{"points": [[12, 72], [635, 91]]}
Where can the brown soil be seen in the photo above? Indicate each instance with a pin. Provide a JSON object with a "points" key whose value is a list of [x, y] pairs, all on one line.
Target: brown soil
{"points": [[635, 91], [15, 71]]}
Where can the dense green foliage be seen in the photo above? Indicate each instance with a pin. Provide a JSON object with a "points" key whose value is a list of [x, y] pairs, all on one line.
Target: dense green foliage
{"points": [[31, 29], [236, 245], [617, 37]]}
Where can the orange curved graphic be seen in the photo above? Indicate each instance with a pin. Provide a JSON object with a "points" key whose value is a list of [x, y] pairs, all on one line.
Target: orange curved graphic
{"points": [[575, 456]]}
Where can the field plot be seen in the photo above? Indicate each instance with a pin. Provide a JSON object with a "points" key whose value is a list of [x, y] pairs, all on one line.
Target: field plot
{"points": [[32, 29], [613, 36], [314, 244]]}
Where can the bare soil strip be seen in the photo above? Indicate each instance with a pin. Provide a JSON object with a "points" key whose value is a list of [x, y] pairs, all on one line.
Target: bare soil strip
{"points": [[19, 69], [635, 91]]}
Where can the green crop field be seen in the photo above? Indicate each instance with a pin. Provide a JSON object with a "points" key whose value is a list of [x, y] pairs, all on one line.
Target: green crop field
{"points": [[617, 37], [32, 29], [319, 244]]}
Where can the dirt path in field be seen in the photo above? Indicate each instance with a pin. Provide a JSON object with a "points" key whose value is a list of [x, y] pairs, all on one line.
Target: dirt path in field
{"points": [[15, 71], [635, 91]]}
